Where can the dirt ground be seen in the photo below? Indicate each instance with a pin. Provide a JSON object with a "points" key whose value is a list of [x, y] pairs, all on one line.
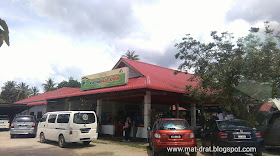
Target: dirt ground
{"points": [[26, 146]]}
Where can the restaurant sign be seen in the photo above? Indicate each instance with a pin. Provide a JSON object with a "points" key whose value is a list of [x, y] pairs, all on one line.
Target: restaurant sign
{"points": [[105, 79]]}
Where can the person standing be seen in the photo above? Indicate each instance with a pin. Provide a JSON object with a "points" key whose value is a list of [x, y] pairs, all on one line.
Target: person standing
{"points": [[136, 123], [127, 129]]}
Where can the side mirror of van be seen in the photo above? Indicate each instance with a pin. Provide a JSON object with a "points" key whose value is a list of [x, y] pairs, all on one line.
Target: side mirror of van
{"points": [[40, 120], [149, 128]]}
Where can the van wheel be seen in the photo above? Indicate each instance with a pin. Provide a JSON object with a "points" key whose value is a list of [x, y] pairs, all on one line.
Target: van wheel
{"points": [[42, 138], [86, 143], [12, 135], [193, 153], [61, 141]]}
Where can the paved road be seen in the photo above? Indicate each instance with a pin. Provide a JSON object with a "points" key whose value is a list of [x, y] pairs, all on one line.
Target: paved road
{"points": [[25, 146]]}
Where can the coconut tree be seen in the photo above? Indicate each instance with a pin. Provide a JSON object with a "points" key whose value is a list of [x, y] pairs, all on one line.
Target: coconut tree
{"points": [[4, 33], [131, 55], [49, 85], [34, 91], [23, 91], [9, 92]]}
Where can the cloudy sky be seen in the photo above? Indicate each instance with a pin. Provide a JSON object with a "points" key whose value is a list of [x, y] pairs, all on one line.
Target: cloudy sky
{"points": [[63, 38]]}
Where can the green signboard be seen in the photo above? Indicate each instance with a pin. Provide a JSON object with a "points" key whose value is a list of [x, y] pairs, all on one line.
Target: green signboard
{"points": [[106, 79]]}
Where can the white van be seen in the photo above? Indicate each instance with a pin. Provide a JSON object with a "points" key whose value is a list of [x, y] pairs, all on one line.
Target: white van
{"points": [[68, 126]]}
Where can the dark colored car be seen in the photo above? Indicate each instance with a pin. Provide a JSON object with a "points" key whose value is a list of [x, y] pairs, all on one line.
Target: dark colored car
{"points": [[170, 132], [24, 125], [232, 133], [270, 129]]}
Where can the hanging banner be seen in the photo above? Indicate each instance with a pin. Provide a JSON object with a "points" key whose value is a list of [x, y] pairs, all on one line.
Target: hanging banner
{"points": [[105, 79]]}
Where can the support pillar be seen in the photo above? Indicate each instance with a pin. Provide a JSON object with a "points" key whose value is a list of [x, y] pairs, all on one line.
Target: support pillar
{"points": [[147, 110], [99, 109], [193, 115], [177, 110]]}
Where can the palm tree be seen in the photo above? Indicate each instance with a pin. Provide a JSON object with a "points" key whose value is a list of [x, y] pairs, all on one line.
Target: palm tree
{"points": [[131, 55], [9, 92], [23, 91], [34, 91], [49, 85], [4, 33]]}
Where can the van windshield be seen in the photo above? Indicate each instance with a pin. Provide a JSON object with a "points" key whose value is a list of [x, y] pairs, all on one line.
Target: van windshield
{"points": [[84, 118]]}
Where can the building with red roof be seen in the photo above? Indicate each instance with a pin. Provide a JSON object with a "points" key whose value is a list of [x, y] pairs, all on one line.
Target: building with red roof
{"points": [[150, 88]]}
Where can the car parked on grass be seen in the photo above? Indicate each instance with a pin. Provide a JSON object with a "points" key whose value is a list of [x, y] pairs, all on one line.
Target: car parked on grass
{"points": [[232, 133], [4, 122], [24, 125], [170, 132], [68, 126]]}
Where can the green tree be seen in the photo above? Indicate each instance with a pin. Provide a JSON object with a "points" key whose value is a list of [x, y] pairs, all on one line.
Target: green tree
{"points": [[23, 91], [4, 33], [70, 83], [222, 67], [49, 85], [2, 101], [9, 92], [34, 91], [131, 55]]}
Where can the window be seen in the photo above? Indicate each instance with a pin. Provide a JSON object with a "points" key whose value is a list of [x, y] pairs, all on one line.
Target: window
{"points": [[63, 118], [84, 118], [52, 118], [173, 125], [44, 118], [24, 119]]}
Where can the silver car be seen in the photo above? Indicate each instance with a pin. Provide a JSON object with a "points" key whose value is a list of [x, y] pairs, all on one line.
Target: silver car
{"points": [[24, 125]]}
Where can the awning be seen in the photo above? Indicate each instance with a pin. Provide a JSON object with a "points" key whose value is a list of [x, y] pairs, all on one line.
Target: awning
{"points": [[37, 103], [266, 107]]}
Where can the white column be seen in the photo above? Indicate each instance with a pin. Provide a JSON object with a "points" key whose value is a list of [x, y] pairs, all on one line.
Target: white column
{"points": [[147, 110], [177, 110], [193, 115], [99, 109]]}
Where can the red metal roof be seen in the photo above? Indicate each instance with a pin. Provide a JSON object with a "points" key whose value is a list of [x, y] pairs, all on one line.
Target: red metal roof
{"points": [[266, 106], [37, 103], [45, 96], [155, 77]]}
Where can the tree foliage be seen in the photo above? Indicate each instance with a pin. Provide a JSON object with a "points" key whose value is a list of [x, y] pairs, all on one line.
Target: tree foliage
{"points": [[70, 83], [131, 55], [49, 85], [4, 33], [227, 69], [11, 91], [34, 91]]}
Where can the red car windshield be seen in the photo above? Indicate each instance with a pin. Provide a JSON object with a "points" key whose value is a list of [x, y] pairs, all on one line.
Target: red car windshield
{"points": [[173, 125]]}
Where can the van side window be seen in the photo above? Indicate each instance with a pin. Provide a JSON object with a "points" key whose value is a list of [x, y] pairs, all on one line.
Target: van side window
{"points": [[63, 118], [44, 118], [52, 118]]}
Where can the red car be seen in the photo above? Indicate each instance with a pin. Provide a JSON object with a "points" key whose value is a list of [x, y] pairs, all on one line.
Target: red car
{"points": [[170, 132]]}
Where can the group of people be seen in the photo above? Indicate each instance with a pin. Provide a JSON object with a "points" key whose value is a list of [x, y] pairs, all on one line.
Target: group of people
{"points": [[131, 125]]}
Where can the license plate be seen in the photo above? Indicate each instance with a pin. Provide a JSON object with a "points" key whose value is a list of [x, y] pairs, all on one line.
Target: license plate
{"points": [[241, 137], [175, 136]]}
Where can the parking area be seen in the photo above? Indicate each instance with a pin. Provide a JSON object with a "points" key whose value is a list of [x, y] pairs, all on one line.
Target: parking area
{"points": [[28, 146]]}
